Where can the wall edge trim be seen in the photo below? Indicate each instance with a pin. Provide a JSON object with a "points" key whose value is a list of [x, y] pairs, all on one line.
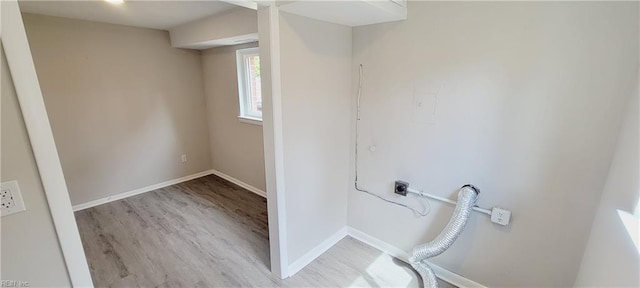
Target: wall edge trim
{"points": [[314, 253]]}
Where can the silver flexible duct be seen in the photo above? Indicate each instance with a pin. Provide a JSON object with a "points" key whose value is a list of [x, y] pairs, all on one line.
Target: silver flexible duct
{"points": [[467, 197]]}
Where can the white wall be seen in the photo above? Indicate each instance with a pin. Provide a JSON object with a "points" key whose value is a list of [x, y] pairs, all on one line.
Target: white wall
{"points": [[30, 248], [529, 97], [123, 104], [236, 147], [316, 82], [611, 257]]}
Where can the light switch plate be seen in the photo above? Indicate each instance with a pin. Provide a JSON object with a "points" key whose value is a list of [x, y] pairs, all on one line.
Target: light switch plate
{"points": [[11, 198]]}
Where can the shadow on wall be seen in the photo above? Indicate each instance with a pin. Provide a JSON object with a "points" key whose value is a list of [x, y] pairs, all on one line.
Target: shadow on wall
{"points": [[237, 148], [315, 45]]}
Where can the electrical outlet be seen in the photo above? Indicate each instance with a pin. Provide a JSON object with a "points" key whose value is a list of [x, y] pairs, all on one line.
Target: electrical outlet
{"points": [[500, 216], [401, 188], [11, 198], [7, 198], [183, 158]]}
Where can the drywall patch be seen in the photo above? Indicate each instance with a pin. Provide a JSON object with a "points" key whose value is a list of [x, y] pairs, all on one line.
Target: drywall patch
{"points": [[424, 107]]}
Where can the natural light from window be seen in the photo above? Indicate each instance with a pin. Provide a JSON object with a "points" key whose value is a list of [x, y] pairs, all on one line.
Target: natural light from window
{"points": [[249, 88], [631, 223], [386, 272]]}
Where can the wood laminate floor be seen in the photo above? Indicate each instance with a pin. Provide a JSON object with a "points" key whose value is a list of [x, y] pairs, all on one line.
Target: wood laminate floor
{"points": [[211, 233]]}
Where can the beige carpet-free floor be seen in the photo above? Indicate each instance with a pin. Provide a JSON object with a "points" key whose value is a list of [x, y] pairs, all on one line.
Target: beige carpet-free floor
{"points": [[211, 233]]}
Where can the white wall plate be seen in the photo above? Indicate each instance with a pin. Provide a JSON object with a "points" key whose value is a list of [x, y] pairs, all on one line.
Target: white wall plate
{"points": [[11, 198]]}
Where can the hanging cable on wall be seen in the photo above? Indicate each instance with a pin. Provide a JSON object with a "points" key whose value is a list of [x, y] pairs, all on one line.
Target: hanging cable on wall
{"points": [[427, 209]]}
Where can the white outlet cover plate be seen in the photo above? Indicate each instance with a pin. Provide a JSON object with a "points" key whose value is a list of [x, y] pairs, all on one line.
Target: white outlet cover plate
{"points": [[500, 216], [10, 193]]}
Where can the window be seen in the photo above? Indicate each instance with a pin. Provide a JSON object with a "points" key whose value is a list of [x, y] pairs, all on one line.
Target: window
{"points": [[249, 92]]}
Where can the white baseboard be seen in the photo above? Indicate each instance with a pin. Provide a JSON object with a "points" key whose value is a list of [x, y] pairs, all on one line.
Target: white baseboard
{"points": [[454, 278], [317, 251], [396, 252], [378, 244], [385, 247], [239, 183], [123, 195]]}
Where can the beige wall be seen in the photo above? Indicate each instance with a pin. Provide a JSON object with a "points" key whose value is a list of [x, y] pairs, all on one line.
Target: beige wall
{"points": [[529, 100], [123, 104], [30, 248], [236, 147], [611, 257], [316, 85]]}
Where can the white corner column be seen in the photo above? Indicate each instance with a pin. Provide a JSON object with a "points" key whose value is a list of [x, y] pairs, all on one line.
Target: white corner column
{"points": [[18, 53]]}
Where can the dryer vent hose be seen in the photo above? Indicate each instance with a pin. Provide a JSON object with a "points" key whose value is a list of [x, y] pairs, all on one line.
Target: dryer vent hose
{"points": [[467, 197]]}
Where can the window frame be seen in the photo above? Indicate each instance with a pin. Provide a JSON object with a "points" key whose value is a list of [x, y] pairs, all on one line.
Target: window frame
{"points": [[244, 86]]}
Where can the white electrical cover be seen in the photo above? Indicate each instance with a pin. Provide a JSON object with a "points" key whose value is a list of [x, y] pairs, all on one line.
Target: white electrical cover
{"points": [[11, 198], [500, 216]]}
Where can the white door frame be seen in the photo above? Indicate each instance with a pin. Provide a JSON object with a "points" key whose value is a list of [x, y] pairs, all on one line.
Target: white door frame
{"points": [[36, 120], [20, 62]]}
